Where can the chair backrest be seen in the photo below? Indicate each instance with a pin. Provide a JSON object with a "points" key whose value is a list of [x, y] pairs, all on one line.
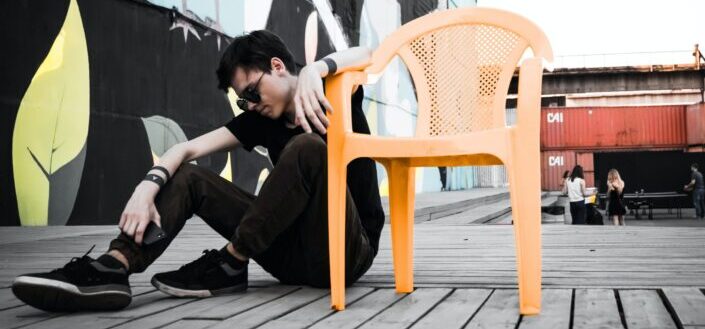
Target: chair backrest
{"points": [[461, 62]]}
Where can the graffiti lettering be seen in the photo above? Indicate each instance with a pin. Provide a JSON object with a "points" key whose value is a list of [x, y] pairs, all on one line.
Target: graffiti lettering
{"points": [[555, 161], [554, 117]]}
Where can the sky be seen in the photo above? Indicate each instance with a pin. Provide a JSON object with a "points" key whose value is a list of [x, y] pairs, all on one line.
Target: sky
{"points": [[616, 26]]}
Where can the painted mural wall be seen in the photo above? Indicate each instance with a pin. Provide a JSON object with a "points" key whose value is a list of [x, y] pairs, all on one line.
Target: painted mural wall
{"points": [[97, 90], [94, 92]]}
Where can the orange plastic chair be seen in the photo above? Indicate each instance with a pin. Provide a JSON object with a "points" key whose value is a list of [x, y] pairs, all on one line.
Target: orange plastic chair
{"points": [[461, 62]]}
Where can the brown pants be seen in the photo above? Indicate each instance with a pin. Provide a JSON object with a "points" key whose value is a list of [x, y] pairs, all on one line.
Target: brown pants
{"points": [[284, 229]]}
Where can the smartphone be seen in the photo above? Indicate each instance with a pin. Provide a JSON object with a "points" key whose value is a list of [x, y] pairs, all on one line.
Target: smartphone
{"points": [[153, 234]]}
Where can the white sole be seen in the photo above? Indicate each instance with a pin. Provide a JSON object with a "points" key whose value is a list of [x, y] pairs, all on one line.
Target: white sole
{"points": [[177, 292], [42, 282], [173, 291]]}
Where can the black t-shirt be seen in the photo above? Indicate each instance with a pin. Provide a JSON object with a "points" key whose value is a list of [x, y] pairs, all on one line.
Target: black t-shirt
{"points": [[698, 177], [252, 129]]}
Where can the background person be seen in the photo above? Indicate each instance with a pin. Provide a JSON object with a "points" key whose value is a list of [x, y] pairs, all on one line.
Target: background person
{"points": [[696, 185], [615, 194], [575, 188]]}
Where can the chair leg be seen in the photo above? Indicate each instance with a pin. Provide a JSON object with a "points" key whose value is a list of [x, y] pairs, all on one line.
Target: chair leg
{"points": [[401, 207], [525, 186], [337, 173]]}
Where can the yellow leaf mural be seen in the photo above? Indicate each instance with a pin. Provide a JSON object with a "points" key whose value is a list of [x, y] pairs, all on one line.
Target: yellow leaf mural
{"points": [[52, 126], [227, 172]]}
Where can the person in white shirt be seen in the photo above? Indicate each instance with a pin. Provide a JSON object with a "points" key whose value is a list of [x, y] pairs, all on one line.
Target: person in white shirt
{"points": [[575, 188]]}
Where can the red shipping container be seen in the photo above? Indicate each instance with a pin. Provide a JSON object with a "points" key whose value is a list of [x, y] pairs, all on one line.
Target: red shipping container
{"points": [[595, 128], [554, 163], [695, 121]]}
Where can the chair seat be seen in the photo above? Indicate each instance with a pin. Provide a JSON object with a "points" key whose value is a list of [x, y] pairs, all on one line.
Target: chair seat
{"points": [[474, 148]]}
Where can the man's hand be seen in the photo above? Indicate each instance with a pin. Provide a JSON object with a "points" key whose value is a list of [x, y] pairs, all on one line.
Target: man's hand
{"points": [[139, 211], [308, 97]]}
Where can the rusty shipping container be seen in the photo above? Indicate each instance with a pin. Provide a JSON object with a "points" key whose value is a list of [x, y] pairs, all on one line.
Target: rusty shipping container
{"points": [[695, 126], [596, 128], [554, 163]]}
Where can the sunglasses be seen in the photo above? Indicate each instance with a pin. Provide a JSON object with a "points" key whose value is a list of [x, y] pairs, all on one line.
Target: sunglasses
{"points": [[250, 95]]}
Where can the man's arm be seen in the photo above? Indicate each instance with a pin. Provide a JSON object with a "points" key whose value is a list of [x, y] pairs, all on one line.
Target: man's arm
{"points": [[351, 58], [140, 208], [690, 185], [309, 88]]}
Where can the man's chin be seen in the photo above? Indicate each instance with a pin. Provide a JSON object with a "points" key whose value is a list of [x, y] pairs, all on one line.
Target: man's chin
{"points": [[268, 113]]}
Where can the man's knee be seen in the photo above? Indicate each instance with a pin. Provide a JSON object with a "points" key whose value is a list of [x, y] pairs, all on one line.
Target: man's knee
{"points": [[311, 143], [310, 149], [185, 173]]}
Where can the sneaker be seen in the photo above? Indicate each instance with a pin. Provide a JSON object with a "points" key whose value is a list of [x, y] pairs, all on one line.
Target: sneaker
{"points": [[214, 273], [82, 284]]}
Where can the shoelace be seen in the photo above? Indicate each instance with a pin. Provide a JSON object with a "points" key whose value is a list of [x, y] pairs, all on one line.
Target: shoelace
{"points": [[198, 266], [76, 263]]}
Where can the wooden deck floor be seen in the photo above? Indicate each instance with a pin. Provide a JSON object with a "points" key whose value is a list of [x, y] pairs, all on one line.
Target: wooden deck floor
{"points": [[593, 277]]}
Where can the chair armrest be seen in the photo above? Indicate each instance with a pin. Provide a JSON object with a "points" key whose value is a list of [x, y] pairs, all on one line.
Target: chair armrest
{"points": [[339, 90]]}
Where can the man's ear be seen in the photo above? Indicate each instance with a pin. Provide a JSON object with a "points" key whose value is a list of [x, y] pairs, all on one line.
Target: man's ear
{"points": [[277, 65]]}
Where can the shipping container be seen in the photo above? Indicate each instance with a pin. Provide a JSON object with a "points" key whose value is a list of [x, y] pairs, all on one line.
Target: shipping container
{"points": [[695, 126], [585, 159], [598, 128], [555, 163]]}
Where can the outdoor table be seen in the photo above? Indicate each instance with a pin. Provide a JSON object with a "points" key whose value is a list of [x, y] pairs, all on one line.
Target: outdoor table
{"points": [[637, 200]]}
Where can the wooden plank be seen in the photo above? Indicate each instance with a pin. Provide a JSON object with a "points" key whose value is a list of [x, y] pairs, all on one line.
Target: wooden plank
{"points": [[141, 290], [265, 312], [191, 324], [689, 305], [478, 214], [406, 311], [450, 257], [313, 312], [237, 302], [146, 304], [8, 299], [16, 235], [77, 321], [595, 308], [555, 310], [223, 311], [24, 315], [500, 311], [645, 309], [455, 310], [357, 313]]}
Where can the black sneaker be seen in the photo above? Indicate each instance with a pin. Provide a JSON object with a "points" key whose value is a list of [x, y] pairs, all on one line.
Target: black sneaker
{"points": [[82, 284], [214, 273]]}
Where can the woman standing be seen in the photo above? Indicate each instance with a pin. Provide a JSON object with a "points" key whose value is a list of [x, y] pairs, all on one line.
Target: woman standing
{"points": [[575, 188], [615, 193]]}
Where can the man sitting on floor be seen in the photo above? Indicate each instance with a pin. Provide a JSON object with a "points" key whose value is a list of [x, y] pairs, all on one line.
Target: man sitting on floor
{"points": [[284, 229]]}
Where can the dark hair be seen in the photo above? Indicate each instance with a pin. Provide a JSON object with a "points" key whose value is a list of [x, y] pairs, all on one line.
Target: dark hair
{"points": [[253, 50], [566, 173], [577, 172], [695, 165]]}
